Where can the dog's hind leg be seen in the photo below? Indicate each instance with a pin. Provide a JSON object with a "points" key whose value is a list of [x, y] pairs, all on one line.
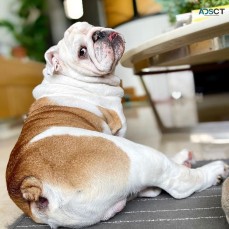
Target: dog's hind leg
{"points": [[184, 157], [150, 168]]}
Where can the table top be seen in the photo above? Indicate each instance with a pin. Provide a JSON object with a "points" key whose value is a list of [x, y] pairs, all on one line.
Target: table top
{"points": [[190, 44]]}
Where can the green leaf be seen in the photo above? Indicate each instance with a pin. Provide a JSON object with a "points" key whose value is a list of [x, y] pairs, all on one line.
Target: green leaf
{"points": [[10, 26]]}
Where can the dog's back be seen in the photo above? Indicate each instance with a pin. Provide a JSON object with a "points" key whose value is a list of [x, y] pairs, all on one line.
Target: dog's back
{"points": [[43, 174]]}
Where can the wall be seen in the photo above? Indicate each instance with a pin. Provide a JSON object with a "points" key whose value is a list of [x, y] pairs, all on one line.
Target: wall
{"points": [[58, 20], [136, 32], [93, 14]]}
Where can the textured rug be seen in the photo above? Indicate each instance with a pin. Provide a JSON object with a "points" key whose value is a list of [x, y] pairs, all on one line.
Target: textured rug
{"points": [[201, 210]]}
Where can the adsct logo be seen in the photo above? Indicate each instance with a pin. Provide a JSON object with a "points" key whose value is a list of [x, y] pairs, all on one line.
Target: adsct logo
{"points": [[212, 11]]}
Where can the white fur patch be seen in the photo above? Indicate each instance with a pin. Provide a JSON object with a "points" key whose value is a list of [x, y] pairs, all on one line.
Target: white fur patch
{"points": [[56, 131]]}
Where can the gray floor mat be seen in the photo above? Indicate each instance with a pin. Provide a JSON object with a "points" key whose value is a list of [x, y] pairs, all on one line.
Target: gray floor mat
{"points": [[201, 210]]}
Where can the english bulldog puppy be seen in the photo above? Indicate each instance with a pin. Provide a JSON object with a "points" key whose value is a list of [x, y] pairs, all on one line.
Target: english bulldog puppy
{"points": [[71, 165]]}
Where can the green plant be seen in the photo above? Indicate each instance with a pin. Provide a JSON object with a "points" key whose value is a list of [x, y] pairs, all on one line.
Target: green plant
{"points": [[184, 6], [32, 32]]}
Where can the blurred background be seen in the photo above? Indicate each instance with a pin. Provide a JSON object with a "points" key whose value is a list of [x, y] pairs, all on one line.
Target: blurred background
{"points": [[182, 99]]}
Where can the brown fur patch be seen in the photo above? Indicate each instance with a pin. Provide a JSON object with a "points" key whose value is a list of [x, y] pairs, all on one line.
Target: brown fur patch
{"points": [[112, 119]]}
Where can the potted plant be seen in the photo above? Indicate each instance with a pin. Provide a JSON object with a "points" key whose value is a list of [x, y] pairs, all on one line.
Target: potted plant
{"points": [[31, 34]]}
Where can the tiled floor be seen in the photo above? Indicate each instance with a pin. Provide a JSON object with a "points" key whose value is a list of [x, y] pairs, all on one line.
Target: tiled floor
{"points": [[142, 128]]}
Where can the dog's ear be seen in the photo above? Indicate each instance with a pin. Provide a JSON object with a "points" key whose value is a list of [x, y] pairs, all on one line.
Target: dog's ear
{"points": [[52, 60]]}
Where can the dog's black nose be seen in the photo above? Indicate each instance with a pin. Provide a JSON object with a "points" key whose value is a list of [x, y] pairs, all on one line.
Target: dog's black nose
{"points": [[98, 35]]}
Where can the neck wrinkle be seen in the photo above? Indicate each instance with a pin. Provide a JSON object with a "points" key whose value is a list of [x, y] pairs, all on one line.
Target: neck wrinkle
{"points": [[61, 84], [70, 92]]}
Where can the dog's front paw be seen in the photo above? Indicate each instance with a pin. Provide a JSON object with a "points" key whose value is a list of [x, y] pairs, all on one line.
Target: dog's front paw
{"points": [[214, 173]]}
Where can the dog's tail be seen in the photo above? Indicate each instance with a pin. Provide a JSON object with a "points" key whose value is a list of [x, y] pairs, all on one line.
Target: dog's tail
{"points": [[31, 188]]}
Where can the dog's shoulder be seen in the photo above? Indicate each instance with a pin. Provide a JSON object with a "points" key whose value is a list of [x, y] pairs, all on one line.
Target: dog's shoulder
{"points": [[44, 114]]}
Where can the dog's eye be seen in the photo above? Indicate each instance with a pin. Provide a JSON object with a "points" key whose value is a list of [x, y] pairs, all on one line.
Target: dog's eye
{"points": [[83, 52]]}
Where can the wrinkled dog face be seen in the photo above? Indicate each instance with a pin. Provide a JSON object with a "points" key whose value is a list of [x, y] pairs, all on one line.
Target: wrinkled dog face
{"points": [[87, 50]]}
